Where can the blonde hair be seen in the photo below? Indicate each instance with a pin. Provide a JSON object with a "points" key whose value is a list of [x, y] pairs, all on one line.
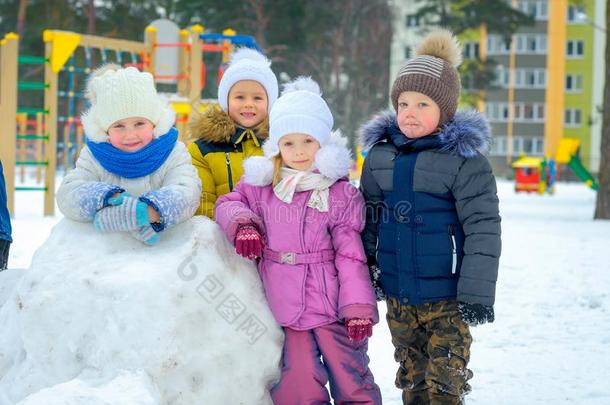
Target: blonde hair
{"points": [[277, 169]]}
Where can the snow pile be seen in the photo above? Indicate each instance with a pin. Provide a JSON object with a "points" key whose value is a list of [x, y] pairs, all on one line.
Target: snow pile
{"points": [[128, 388], [8, 279], [103, 319]]}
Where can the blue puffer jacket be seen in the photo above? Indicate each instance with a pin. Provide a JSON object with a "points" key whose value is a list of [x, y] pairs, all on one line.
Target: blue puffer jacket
{"points": [[433, 223], [5, 218]]}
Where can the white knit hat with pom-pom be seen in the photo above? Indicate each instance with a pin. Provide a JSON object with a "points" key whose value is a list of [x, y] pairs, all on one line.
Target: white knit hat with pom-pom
{"points": [[300, 109], [116, 93], [247, 64]]}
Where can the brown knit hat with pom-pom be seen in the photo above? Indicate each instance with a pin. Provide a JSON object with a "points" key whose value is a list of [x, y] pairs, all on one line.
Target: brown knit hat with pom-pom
{"points": [[433, 72]]}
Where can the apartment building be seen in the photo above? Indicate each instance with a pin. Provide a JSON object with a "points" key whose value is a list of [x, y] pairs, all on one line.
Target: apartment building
{"points": [[529, 96]]}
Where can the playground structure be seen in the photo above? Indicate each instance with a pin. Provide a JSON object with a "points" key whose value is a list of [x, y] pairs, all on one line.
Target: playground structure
{"points": [[52, 136], [536, 174]]}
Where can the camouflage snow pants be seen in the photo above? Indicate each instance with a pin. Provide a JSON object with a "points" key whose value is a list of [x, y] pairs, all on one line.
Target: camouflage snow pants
{"points": [[432, 345]]}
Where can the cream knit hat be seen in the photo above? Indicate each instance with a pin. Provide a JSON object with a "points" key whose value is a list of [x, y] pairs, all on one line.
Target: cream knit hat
{"points": [[116, 93]]}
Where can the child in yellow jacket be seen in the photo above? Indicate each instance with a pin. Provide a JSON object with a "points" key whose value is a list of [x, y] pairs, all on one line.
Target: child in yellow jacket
{"points": [[227, 134]]}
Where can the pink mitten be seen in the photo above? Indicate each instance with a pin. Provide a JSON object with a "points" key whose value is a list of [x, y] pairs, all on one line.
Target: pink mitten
{"points": [[249, 242], [359, 329]]}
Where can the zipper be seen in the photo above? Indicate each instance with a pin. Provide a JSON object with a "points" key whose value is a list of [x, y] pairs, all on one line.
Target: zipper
{"points": [[228, 161], [453, 250]]}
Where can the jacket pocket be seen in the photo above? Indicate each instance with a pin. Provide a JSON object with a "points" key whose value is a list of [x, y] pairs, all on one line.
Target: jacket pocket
{"points": [[330, 280], [434, 254]]}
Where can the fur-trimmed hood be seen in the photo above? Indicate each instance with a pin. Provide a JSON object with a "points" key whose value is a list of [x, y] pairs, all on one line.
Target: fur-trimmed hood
{"points": [[215, 126], [333, 160], [465, 135]]}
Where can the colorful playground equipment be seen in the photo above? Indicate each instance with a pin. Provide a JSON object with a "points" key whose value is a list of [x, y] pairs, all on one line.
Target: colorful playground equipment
{"points": [[537, 174], [51, 135]]}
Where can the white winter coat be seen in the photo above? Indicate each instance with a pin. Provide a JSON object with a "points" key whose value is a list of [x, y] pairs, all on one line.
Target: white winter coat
{"points": [[173, 190]]}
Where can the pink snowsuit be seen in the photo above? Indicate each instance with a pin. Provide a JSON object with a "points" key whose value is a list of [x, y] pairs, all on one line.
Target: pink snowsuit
{"points": [[315, 277]]}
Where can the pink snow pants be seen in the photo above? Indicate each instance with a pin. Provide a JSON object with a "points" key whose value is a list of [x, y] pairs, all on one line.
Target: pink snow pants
{"points": [[345, 363]]}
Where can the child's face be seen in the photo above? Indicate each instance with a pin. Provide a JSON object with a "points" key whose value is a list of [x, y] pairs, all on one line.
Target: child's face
{"points": [[298, 151], [247, 103], [418, 115], [131, 134]]}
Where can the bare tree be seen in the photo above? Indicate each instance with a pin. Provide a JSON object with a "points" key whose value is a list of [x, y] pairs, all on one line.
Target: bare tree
{"points": [[91, 17], [602, 207], [21, 14], [262, 18], [347, 53]]}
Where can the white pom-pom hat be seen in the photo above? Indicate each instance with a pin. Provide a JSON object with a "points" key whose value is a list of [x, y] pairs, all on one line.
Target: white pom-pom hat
{"points": [[301, 109], [248, 64], [116, 93]]}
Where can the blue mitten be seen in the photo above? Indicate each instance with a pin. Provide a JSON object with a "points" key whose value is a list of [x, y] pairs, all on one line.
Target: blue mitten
{"points": [[125, 213], [146, 234]]}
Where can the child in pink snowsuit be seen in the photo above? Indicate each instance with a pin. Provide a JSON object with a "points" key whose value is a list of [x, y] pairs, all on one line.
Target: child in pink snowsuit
{"points": [[295, 210]]}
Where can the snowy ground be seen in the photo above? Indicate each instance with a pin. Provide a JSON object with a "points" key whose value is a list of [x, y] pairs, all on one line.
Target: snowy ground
{"points": [[550, 343]]}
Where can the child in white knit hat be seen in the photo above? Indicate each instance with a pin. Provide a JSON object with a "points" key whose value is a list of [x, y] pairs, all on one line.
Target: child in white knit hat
{"points": [[226, 135], [133, 175], [296, 210]]}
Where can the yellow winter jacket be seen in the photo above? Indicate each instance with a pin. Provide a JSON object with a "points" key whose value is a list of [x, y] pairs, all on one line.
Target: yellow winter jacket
{"points": [[218, 148]]}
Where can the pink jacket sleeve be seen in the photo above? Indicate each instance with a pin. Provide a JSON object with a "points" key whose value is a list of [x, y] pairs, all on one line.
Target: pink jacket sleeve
{"points": [[233, 210], [356, 294]]}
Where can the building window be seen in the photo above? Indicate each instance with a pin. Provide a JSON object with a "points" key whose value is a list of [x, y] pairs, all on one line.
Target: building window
{"points": [[574, 83], [572, 117], [533, 146], [530, 44], [530, 78], [471, 50], [529, 112], [538, 146], [517, 145], [522, 112], [517, 112], [498, 146], [577, 15], [496, 45], [542, 43], [519, 77], [528, 145], [412, 20], [543, 10], [540, 112], [538, 9], [408, 52], [496, 112], [541, 78], [501, 79], [575, 49]]}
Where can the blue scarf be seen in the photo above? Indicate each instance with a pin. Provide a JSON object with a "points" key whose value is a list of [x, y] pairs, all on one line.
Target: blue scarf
{"points": [[134, 164]]}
